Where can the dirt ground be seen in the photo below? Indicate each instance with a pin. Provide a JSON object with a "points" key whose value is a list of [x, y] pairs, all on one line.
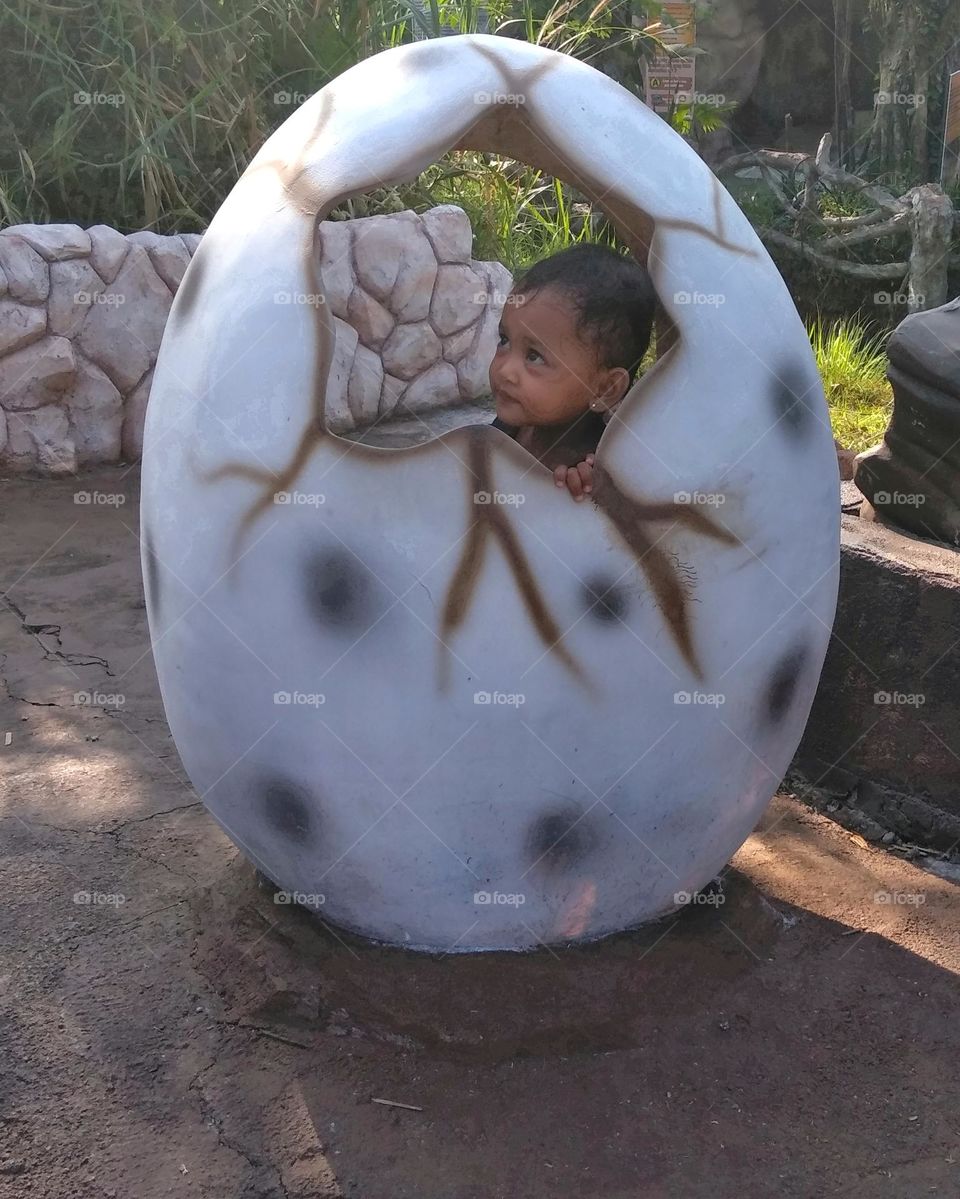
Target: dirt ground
{"points": [[168, 1030]]}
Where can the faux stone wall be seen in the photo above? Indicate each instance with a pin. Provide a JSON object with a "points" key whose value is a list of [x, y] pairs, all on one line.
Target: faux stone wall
{"points": [[416, 317], [82, 313], [81, 317]]}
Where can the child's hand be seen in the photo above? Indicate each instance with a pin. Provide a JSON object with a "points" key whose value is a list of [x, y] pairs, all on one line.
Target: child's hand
{"points": [[577, 479]]}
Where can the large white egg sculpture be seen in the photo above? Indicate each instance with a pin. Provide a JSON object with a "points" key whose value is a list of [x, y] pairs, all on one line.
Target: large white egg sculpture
{"points": [[650, 658]]}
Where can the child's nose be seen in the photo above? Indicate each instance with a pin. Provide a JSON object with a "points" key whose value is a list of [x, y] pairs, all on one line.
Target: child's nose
{"points": [[509, 369]]}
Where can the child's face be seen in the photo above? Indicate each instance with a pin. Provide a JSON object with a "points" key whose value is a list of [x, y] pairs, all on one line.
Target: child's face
{"points": [[543, 373]]}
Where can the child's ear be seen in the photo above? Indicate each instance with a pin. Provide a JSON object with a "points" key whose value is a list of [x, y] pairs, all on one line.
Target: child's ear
{"points": [[614, 387]]}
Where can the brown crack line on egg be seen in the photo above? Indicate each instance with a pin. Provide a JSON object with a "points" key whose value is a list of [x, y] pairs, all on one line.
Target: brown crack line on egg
{"points": [[490, 519], [630, 517], [717, 236]]}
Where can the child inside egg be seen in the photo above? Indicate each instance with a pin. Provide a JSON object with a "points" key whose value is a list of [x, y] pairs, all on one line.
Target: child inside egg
{"points": [[573, 332]]}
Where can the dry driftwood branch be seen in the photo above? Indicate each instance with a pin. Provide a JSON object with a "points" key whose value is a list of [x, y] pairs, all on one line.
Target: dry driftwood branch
{"points": [[818, 167], [780, 159], [855, 222], [771, 180], [883, 198], [822, 156], [924, 212], [894, 224], [859, 270], [809, 202]]}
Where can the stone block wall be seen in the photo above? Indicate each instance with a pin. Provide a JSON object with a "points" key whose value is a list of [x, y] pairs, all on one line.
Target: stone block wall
{"points": [[82, 313], [415, 315]]}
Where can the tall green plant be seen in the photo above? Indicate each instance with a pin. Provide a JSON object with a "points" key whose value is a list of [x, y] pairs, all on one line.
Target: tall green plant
{"points": [[145, 114], [853, 366]]}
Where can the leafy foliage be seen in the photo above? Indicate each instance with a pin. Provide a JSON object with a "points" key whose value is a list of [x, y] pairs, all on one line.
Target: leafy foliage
{"points": [[699, 117]]}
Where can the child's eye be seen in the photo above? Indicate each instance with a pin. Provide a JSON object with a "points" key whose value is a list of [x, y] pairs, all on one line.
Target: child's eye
{"points": [[502, 340], [534, 355]]}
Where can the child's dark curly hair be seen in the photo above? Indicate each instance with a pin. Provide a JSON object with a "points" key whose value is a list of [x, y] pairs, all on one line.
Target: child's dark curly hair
{"points": [[613, 295]]}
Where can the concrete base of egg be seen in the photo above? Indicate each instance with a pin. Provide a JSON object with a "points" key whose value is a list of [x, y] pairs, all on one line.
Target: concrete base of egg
{"points": [[423, 691]]}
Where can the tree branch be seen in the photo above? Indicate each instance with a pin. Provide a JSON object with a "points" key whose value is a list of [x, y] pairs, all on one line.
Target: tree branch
{"points": [[894, 225], [859, 270]]}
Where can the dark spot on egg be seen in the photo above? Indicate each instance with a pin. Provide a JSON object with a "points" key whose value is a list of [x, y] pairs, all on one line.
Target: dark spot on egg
{"points": [[606, 601], [782, 685], [558, 840], [341, 592], [287, 809], [795, 392]]}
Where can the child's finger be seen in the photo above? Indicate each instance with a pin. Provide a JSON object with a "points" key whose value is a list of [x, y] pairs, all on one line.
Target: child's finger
{"points": [[585, 473], [574, 484], [560, 476]]}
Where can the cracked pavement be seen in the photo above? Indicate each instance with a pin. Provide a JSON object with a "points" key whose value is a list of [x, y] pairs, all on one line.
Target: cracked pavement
{"points": [[168, 1030]]}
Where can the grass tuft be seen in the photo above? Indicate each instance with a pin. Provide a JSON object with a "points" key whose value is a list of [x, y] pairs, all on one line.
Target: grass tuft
{"points": [[853, 365]]}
